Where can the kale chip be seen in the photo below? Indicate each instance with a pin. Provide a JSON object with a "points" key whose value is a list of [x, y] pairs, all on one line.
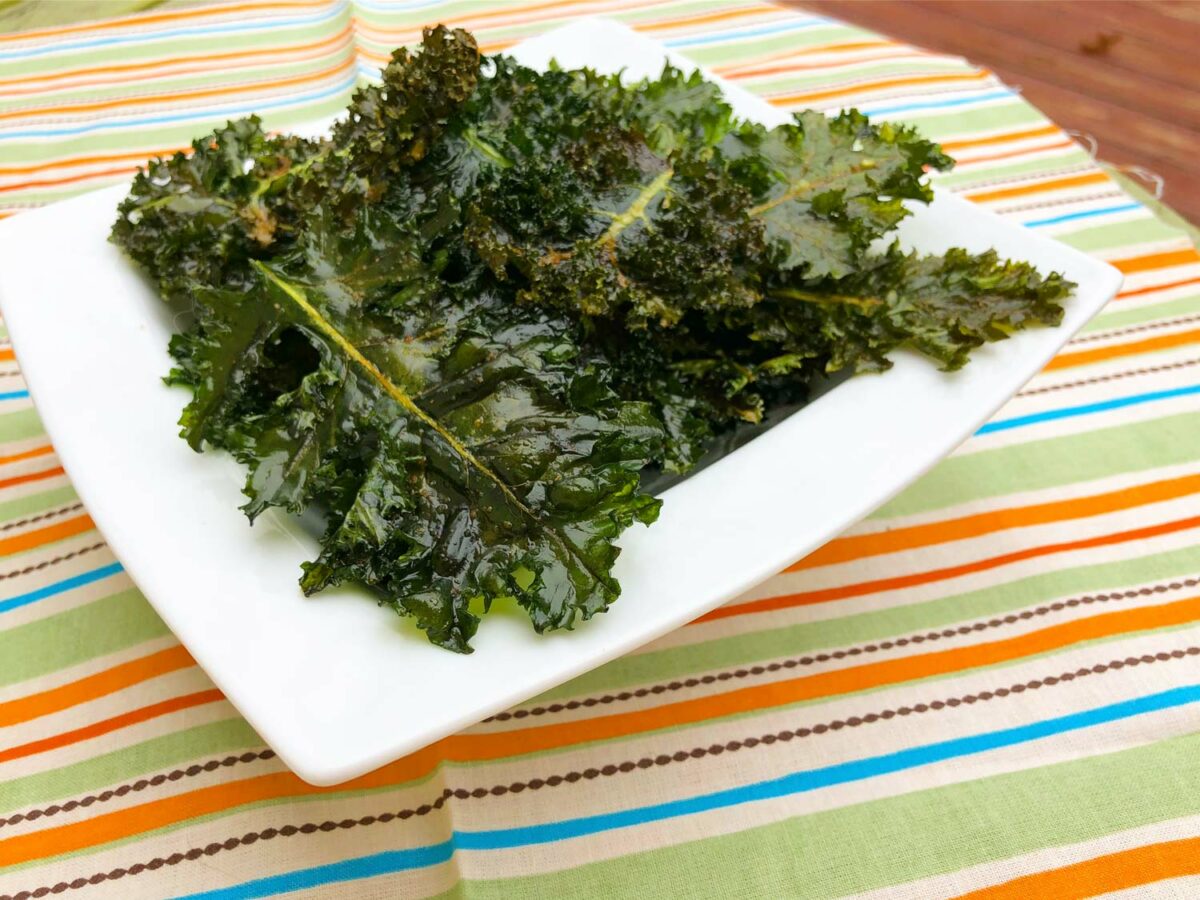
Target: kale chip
{"points": [[465, 326]]}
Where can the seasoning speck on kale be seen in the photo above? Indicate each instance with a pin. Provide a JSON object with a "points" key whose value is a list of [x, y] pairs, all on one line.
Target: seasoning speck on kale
{"points": [[465, 325]]}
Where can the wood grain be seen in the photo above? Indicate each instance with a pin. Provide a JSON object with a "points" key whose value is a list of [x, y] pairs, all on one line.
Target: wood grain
{"points": [[1125, 72]]}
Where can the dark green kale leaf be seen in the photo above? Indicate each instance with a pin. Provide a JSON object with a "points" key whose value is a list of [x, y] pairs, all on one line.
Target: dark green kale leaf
{"points": [[394, 124], [942, 306], [464, 326], [462, 459], [826, 188], [200, 217]]}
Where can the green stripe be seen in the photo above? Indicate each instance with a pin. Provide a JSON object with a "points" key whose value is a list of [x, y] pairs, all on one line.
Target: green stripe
{"points": [[1118, 316], [942, 125], [1050, 462], [807, 637], [983, 179], [898, 68], [244, 78], [169, 136], [20, 425], [1143, 229], [36, 503], [198, 45], [105, 626], [897, 839], [159, 754], [789, 41]]}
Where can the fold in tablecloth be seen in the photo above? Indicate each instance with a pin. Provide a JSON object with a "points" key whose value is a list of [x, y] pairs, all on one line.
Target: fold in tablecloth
{"points": [[990, 685]]}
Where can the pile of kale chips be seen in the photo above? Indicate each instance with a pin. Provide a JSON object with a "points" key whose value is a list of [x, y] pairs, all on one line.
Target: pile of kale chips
{"points": [[463, 325]]}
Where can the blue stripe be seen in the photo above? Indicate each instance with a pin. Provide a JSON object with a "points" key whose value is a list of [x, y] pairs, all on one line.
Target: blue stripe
{"points": [[1086, 214], [1087, 409], [13, 395], [788, 785], [178, 32], [749, 32], [347, 870], [937, 104], [196, 115], [60, 586]]}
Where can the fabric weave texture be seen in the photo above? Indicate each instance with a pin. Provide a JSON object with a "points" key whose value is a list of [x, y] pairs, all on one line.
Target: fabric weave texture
{"points": [[989, 688]]}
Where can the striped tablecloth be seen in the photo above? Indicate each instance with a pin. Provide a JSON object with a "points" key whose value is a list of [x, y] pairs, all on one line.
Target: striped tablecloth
{"points": [[989, 687]]}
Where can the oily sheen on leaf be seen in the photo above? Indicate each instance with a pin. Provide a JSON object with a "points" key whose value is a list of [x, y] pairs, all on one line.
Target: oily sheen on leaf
{"points": [[469, 326], [462, 461]]}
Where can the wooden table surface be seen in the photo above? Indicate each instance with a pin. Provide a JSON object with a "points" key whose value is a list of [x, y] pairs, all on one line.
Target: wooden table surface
{"points": [[1126, 72]]}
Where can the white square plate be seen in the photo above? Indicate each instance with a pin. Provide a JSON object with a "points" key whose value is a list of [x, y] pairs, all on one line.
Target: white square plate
{"points": [[334, 683]]}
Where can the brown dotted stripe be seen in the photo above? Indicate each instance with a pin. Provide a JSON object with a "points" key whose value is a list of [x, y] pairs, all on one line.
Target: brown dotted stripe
{"points": [[140, 785], [879, 647], [8, 526], [1011, 618], [1065, 201], [1134, 329], [51, 562], [15, 374], [606, 771], [1149, 370], [1016, 179]]}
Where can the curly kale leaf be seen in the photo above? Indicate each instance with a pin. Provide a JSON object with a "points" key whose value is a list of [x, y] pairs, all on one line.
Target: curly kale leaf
{"points": [[464, 459], [200, 217], [464, 325], [394, 124], [942, 306], [826, 188]]}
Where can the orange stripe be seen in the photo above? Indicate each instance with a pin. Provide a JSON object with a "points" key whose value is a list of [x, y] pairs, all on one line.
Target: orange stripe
{"points": [[224, 91], [846, 591], [1149, 345], [788, 99], [27, 454], [912, 537], [7, 354], [497, 46], [848, 47], [482, 746], [133, 717], [1118, 871], [1008, 154], [1002, 138], [31, 476], [479, 747], [707, 18], [1156, 261], [173, 66], [127, 169], [30, 540], [1056, 184], [822, 66], [1158, 287], [106, 24], [100, 684], [72, 162]]}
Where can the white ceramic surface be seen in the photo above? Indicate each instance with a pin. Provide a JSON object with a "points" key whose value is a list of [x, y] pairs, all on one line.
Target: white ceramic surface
{"points": [[338, 686]]}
